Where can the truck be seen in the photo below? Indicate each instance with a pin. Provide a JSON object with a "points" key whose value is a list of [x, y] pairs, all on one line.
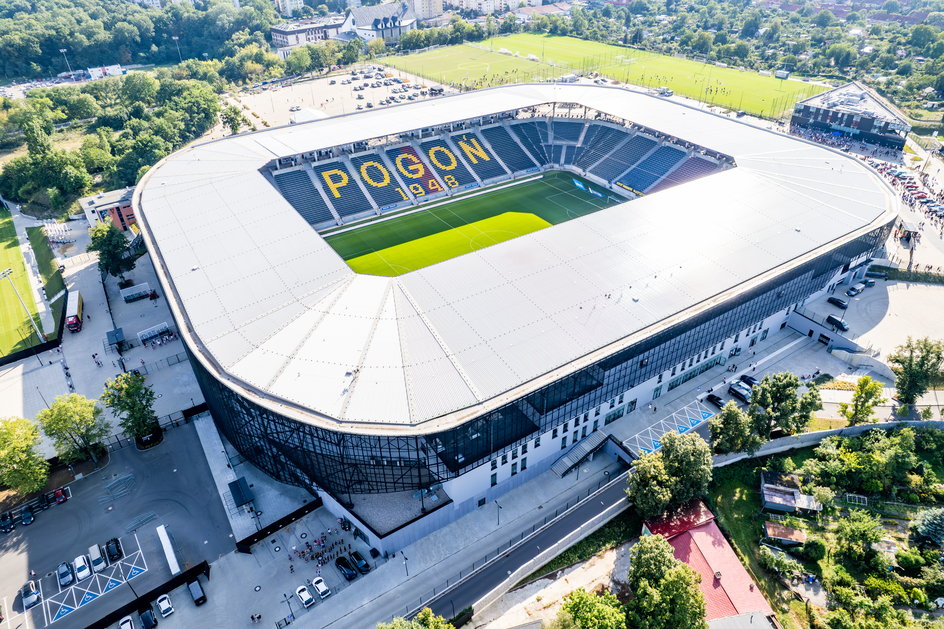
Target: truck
{"points": [[74, 312]]}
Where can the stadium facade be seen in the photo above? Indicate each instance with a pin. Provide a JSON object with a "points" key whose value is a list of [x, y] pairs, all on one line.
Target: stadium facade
{"points": [[408, 401]]}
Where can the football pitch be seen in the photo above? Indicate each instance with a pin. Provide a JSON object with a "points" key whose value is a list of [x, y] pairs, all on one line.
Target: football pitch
{"points": [[405, 243], [481, 65], [16, 333]]}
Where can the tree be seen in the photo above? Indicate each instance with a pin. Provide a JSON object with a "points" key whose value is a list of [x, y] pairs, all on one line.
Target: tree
{"points": [[112, 248], [131, 400], [76, 426], [865, 397], [824, 18], [232, 118], [665, 591], [857, 532], [590, 611], [650, 487], [915, 365], [426, 619], [675, 474], [732, 430], [930, 524], [377, 47], [298, 60], [21, 467], [775, 403], [139, 87]]}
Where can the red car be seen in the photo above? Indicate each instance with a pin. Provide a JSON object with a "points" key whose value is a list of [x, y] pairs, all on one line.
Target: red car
{"points": [[60, 496]]}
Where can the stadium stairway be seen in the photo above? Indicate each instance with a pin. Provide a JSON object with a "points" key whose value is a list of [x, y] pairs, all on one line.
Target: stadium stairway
{"points": [[298, 188], [388, 162], [639, 158], [360, 184], [484, 170], [447, 141], [668, 173]]}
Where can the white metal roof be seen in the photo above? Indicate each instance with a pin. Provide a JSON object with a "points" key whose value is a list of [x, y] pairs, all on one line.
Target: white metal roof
{"points": [[268, 307]]}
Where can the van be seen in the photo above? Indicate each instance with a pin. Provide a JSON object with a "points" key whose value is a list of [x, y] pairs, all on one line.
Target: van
{"points": [[74, 312], [835, 321], [196, 592], [97, 559], [855, 290]]}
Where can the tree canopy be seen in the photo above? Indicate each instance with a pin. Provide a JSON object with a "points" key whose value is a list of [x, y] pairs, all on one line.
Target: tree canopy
{"points": [[76, 426], [22, 468], [776, 403], [665, 591], [130, 399], [676, 473]]}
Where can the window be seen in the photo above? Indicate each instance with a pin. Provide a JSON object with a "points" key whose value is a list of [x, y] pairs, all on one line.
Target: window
{"points": [[537, 441], [524, 463], [631, 406], [612, 403], [620, 399], [514, 469], [494, 479], [596, 424], [574, 437], [611, 416], [583, 432], [566, 427], [586, 416], [504, 459], [596, 412], [673, 372], [514, 454], [524, 448], [481, 502], [656, 392], [494, 464], [554, 434], [659, 381], [563, 442]]}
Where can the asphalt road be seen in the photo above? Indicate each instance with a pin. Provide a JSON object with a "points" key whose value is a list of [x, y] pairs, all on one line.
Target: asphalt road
{"points": [[477, 586]]}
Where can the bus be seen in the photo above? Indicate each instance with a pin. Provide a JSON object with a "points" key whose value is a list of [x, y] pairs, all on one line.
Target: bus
{"points": [[167, 544], [74, 312]]}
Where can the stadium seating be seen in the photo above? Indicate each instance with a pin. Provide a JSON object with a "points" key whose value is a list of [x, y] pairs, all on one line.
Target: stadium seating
{"points": [[380, 183], [507, 150], [623, 157], [567, 131], [692, 168], [651, 169], [447, 164], [557, 152], [604, 142], [479, 159], [297, 188], [530, 136], [341, 189], [417, 174]]}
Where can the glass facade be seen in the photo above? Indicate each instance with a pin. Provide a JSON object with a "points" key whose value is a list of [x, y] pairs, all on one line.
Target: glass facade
{"points": [[338, 462]]}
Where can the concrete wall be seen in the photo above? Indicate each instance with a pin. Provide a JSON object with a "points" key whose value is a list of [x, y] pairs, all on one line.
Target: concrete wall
{"points": [[861, 359]]}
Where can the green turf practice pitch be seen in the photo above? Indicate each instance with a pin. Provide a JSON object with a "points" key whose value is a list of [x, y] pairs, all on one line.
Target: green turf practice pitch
{"points": [[412, 241], [16, 332], [482, 65]]}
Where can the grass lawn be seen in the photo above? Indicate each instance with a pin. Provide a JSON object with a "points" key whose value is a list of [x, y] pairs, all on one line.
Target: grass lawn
{"points": [[16, 333], [416, 240], [48, 267], [481, 65]]}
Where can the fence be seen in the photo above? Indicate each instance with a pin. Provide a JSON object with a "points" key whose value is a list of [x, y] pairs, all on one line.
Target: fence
{"points": [[156, 365], [52, 343], [120, 440]]}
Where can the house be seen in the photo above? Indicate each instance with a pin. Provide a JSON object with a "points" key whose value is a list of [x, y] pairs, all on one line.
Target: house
{"points": [[288, 7], [426, 9], [784, 534], [383, 21], [114, 205], [728, 589], [525, 14], [782, 493], [291, 35]]}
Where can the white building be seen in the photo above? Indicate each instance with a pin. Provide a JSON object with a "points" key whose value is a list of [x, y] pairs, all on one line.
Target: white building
{"points": [[383, 21], [303, 32], [426, 9], [289, 7]]}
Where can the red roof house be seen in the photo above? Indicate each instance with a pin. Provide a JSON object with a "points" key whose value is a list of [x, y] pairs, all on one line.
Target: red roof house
{"points": [[697, 540]]}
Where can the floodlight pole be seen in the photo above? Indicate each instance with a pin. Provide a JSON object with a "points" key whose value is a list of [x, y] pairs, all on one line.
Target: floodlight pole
{"points": [[8, 273], [179, 57], [68, 65]]}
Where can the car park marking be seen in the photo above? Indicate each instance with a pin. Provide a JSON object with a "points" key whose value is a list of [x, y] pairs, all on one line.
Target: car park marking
{"points": [[84, 592]]}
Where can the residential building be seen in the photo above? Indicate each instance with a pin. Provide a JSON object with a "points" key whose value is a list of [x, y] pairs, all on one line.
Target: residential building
{"points": [[303, 32], [383, 21], [289, 7], [535, 8], [426, 9]]}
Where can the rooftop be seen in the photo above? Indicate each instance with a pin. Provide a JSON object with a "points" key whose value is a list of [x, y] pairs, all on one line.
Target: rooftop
{"points": [[856, 98], [107, 199], [313, 22], [273, 312], [776, 530], [668, 525]]}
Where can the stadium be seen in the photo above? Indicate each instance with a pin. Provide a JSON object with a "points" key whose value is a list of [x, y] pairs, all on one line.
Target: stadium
{"points": [[381, 306]]}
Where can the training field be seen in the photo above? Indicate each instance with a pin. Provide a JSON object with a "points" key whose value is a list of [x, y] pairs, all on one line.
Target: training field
{"points": [[406, 243], [16, 333], [481, 65]]}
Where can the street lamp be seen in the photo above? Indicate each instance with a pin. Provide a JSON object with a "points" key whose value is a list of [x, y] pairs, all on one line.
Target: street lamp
{"points": [[406, 566], [68, 65], [498, 512], [8, 273], [288, 601], [175, 38]]}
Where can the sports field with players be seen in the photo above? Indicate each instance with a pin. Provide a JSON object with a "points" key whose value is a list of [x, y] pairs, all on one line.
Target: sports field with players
{"points": [[482, 65], [16, 332], [405, 243]]}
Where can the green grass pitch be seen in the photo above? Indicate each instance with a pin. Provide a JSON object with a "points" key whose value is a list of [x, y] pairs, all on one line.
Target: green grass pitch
{"points": [[16, 333], [413, 241], [481, 65]]}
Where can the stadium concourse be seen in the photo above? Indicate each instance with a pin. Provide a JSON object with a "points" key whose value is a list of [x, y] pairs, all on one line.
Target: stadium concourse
{"points": [[569, 254]]}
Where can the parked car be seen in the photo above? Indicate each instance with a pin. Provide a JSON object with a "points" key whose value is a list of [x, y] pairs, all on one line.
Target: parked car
{"points": [[82, 568], [360, 563], [6, 522], [869, 282], [741, 391], [835, 321], [26, 516], [126, 623], [344, 567], [64, 574], [750, 381], [113, 550], [711, 398], [30, 595], [842, 304], [304, 596], [43, 502], [164, 606], [59, 496], [321, 587], [148, 619]]}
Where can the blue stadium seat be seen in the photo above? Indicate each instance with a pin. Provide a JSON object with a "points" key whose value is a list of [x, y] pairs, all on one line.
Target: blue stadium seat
{"points": [[341, 189], [297, 188], [507, 149], [556, 153], [417, 174], [381, 184], [478, 158], [651, 169], [606, 139], [531, 137], [623, 157], [567, 131], [446, 163], [692, 168]]}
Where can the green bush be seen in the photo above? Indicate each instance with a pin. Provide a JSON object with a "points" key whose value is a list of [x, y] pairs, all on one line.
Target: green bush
{"points": [[876, 587], [838, 577], [910, 561], [814, 549]]}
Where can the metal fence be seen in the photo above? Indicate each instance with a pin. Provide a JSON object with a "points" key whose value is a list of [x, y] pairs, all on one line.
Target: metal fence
{"points": [[120, 440]]}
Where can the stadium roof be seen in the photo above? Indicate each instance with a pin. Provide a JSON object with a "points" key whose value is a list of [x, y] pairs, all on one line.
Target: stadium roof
{"points": [[269, 308]]}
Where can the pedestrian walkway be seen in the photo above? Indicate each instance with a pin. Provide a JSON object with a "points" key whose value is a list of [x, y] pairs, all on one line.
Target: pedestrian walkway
{"points": [[20, 223]]}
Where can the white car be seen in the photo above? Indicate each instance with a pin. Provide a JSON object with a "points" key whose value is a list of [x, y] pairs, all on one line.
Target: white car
{"points": [[307, 600], [164, 606], [320, 587], [82, 568], [126, 623]]}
